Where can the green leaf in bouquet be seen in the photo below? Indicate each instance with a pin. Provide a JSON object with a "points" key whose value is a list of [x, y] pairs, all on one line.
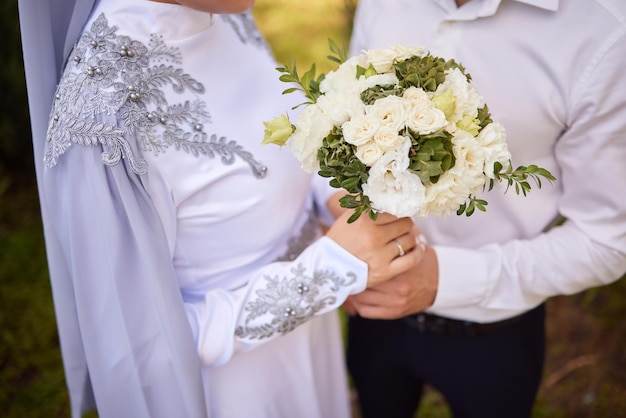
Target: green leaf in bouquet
{"points": [[431, 155], [519, 178], [469, 207], [360, 203], [428, 171], [340, 52], [370, 95], [484, 116], [426, 72], [309, 83]]}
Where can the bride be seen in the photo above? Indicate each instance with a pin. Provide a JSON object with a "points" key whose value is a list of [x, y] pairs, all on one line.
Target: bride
{"points": [[189, 273]]}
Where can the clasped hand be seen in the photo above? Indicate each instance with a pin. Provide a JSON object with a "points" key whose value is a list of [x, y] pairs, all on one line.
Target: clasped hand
{"points": [[387, 245], [397, 285]]}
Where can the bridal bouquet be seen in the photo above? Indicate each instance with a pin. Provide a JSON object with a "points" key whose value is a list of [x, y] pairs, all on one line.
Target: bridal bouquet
{"points": [[402, 131]]}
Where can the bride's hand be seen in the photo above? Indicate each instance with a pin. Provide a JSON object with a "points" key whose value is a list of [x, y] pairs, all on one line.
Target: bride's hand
{"points": [[387, 245]]}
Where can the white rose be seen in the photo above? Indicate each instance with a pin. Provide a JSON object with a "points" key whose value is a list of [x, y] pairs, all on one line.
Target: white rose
{"points": [[391, 187], [387, 139], [312, 126], [381, 59], [360, 129], [416, 95], [369, 153], [404, 52], [424, 118], [390, 110], [492, 139], [365, 83]]}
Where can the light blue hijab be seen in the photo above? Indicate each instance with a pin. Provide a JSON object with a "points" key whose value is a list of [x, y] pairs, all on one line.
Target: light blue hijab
{"points": [[126, 343]]}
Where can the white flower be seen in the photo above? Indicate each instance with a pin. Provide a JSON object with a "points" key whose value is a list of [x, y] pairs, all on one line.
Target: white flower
{"points": [[381, 59], [344, 77], [443, 198], [369, 153], [360, 129], [391, 187], [469, 161], [455, 185], [415, 95], [390, 110], [365, 83], [467, 98], [387, 138], [341, 98], [492, 139], [423, 117], [312, 126], [404, 52]]}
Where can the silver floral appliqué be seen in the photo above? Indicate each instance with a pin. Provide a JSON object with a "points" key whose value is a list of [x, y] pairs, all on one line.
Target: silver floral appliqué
{"points": [[110, 76], [287, 302]]}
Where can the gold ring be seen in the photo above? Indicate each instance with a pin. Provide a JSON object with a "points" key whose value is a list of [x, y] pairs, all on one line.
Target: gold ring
{"points": [[400, 249]]}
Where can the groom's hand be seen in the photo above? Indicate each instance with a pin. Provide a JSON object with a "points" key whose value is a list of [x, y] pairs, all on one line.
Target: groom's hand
{"points": [[408, 293]]}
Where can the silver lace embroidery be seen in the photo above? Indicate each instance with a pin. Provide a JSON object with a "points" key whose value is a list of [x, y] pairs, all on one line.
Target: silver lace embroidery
{"points": [[111, 75], [246, 29], [291, 301], [308, 233]]}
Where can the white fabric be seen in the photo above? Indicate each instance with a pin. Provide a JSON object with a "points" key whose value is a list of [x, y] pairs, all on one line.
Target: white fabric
{"points": [[553, 74], [174, 215]]}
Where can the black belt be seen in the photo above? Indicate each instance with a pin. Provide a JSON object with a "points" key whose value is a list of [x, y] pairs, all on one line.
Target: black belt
{"points": [[433, 324]]}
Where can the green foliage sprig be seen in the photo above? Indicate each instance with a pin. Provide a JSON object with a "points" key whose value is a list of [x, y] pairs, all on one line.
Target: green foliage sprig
{"points": [[519, 178], [309, 83]]}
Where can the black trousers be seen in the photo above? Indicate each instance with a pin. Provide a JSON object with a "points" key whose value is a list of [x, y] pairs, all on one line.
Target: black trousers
{"points": [[491, 375]]}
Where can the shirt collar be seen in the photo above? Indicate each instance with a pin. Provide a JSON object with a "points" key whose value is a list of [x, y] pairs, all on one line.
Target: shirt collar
{"points": [[492, 5], [551, 5]]}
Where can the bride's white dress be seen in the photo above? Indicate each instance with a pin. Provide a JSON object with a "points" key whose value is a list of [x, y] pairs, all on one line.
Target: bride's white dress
{"points": [[182, 96]]}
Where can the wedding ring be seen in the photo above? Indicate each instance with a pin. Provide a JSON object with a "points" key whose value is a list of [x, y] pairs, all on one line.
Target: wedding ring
{"points": [[400, 249]]}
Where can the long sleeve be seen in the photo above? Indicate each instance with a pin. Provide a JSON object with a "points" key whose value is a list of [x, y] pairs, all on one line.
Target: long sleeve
{"points": [[589, 248], [275, 300]]}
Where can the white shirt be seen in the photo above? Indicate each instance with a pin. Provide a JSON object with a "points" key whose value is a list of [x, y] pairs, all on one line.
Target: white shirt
{"points": [[553, 73]]}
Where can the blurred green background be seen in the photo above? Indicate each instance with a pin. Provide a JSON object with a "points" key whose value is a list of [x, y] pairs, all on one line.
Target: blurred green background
{"points": [[585, 374]]}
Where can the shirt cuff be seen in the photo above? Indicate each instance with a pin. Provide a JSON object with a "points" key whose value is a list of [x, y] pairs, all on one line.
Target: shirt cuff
{"points": [[463, 277]]}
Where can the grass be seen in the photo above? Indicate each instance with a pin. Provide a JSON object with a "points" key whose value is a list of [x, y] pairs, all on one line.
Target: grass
{"points": [[585, 373]]}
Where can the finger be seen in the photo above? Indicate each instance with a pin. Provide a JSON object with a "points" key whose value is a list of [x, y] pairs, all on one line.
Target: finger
{"points": [[375, 297], [403, 244], [379, 312], [395, 267], [385, 218], [349, 306]]}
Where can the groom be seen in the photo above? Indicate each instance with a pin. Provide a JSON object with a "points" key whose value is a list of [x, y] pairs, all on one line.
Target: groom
{"points": [[469, 320]]}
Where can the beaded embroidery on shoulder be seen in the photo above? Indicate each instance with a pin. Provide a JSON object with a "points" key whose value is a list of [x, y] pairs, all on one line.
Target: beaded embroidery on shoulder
{"points": [[247, 31], [111, 76]]}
